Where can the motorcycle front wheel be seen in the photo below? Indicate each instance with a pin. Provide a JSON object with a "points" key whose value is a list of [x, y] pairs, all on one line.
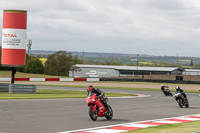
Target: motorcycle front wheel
{"points": [[187, 104], [109, 113], [93, 114]]}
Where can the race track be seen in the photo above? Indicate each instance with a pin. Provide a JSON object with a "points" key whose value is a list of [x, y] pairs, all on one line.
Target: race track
{"points": [[58, 115]]}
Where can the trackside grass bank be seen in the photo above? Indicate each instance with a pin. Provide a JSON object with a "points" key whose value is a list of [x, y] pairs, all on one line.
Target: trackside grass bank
{"points": [[52, 94], [120, 88], [7, 74], [188, 127]]}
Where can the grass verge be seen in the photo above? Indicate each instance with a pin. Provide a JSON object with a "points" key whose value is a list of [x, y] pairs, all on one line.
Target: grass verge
{"points": [[187, 127], [52, 94], [153, 83], [120, 88], [7, 74]]}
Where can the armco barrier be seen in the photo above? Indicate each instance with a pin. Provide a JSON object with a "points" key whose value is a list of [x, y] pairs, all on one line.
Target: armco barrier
{"points": [[92, 79], [5, 79], [21, 79], [80, 79], [37, 79], [22, 88], [4, 87], [66, 79], [50, 79], [101, 79]]}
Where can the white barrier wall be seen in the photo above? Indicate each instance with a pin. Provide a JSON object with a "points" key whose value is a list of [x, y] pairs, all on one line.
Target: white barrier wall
{"points": [[92, 79], [51, 79]]}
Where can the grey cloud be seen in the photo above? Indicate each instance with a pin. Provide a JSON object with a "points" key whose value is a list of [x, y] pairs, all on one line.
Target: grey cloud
{"points": [[166, 5], [159, 27]]}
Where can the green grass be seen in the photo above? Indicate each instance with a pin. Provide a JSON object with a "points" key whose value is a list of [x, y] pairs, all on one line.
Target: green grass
{"points": [[103, 87], [187, 127], [144, 83], [120, 88], [7, 74], [52, 94]]}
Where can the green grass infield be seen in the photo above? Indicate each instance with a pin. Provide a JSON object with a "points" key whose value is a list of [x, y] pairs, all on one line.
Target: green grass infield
{"points": [[52, 94], [120, 88]]}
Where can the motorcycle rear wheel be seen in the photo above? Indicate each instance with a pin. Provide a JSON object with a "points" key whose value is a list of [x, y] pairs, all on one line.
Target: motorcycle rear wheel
{"points": [[93, 114], [109, 113], [180, 103]]}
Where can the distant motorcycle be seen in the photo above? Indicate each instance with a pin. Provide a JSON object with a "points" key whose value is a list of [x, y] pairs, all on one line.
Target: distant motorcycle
{"points": [[167, 92], [181, 100], [96, 107]]}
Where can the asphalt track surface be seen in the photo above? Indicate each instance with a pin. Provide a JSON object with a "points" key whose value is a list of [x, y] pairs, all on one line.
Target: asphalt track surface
{"points": [[58, 115]]}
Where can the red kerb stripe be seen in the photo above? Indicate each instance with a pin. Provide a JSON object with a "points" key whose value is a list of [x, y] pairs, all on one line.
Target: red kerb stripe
{"points": [[84, 132], [80, 79], [179, 120], [52, 79], [198, 117]]}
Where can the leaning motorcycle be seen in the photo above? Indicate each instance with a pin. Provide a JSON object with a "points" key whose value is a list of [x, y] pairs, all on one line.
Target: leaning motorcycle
{"points": [[96, 107], [167, 92], [181, 100]]}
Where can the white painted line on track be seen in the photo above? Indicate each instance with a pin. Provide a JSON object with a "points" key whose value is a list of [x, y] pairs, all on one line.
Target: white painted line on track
{"points": [[140, 125], [138, 95], [107, 131], [169, 122], [192, 119]]}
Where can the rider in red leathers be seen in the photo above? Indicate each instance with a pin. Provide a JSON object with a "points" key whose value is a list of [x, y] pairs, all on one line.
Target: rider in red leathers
{"points": [[99, 93]]}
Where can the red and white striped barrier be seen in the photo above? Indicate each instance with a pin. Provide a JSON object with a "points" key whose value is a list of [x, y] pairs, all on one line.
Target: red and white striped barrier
{"points": [[137, 125], [50, 79]]}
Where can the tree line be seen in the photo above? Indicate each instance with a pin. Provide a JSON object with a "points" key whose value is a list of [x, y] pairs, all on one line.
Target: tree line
{"points": [[57, 64], [61, 62]]}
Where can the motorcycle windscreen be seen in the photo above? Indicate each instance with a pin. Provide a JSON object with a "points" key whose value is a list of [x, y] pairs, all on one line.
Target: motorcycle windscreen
{"points": [[90, 94]]}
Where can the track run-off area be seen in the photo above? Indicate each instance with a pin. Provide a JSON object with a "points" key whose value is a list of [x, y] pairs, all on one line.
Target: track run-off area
{"points": [[71, 114]]}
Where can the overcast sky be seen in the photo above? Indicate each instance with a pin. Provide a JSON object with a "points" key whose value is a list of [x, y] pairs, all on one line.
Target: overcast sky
{"points": [[155, 27]]}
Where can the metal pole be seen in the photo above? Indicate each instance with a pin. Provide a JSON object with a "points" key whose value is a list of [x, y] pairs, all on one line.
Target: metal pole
{"points": [[13, 75], [137, 64], [29, 47]]}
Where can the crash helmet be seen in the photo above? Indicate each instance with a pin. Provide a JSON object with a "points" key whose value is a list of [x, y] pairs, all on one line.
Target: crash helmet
{"points": [[90, 88], [177, 87]]}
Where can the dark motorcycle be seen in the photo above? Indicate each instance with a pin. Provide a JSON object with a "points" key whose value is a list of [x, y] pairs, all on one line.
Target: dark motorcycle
{"points": [[167, 92], [181, 100]]}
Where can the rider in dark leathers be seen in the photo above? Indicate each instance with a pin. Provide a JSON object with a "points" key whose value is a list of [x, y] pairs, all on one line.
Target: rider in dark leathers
{"points": [[99, 93], [179, 90], [162, 87]]}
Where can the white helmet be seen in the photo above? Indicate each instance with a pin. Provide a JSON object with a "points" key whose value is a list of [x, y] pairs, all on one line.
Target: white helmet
{"points": [[177, 87]]}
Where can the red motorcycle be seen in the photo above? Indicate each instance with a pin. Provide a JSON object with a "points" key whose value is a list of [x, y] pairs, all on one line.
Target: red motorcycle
{"points": [[96, 107]]}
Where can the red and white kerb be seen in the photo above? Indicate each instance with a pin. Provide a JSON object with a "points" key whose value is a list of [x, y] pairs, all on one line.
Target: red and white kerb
{"points": [[14, 36]]}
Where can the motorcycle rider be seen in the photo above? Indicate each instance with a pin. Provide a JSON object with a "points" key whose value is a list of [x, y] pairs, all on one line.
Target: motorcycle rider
{"points": [[179, 90], [99, 93], [163, 87]]}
